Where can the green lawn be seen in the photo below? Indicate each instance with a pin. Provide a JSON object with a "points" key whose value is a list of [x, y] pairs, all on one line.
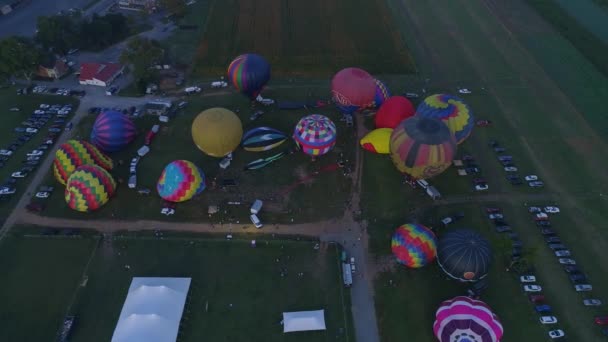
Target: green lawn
{"points": [[304, 203], [11, 120]]}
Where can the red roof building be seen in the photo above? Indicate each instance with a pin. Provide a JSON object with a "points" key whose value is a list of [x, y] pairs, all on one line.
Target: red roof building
{"points": [[99, 74]]}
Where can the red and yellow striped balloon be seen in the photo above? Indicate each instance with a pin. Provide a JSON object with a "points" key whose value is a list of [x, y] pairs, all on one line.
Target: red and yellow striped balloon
{"points": [[89, 188], [75, 153]]}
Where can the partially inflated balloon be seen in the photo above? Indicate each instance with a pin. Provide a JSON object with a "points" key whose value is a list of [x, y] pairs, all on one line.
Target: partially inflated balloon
{"points": [[262, 139], [180, 181], [394, 110], [112, 131], [315, 134], [382, 93], [74, 153], [89, 188], [377, 141], [217, 131], [249, 73], [352, 89], [452, 110], [414, 245], [463, 319]]}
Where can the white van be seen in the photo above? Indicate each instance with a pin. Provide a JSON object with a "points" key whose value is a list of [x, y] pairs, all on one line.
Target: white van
{"points": [[132, 182], [256, 221], [424, 184], [256, 206]]}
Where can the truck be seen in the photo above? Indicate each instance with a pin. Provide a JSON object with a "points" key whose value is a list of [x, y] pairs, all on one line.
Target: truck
{"points": [[347, 274]]}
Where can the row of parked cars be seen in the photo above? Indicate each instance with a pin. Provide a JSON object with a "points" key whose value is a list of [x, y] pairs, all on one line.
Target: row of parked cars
{"points": [[541, 217], [468, 166], [41, 89], [511, 169]]}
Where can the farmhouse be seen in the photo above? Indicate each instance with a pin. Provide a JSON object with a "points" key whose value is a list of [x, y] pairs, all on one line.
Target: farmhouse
{"points": [[99, 74], [52, 67]]}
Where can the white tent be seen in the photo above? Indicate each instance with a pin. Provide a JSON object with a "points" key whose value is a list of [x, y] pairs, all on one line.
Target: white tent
{"points": [[152, 310], [303, 321]]}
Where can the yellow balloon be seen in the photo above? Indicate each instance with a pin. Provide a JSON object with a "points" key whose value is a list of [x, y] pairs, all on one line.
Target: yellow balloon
{"points": [[377, 141], [217, 131]]}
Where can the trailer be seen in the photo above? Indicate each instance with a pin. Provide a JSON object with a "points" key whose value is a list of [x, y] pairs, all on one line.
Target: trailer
{"points": [[347, 274]]}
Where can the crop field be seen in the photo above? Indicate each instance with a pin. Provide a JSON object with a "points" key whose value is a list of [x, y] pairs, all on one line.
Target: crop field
{"points": [[547, 111], [303, 38], [11, 120], [237, 292], [275, 184]]}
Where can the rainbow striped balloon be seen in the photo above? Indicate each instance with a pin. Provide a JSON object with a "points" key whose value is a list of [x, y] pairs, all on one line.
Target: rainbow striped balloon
{"points": [[89, 188], [382, 93], [315, 134], [450, 109], [180, 181], [75, 153], [249, 73], [414, 245]]}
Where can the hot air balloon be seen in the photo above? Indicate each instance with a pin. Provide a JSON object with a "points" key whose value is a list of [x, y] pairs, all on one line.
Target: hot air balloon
{"points": [[112, 131], [89, 188], [249, 73], [262, 139], [462, 319], [377, 141], [382, 93], [217, 131], [353, 88], [464, 255], [452, 110], [315, 134], [180, 181], [422, 147], [414, 245], [75, 153], [394, 110]]}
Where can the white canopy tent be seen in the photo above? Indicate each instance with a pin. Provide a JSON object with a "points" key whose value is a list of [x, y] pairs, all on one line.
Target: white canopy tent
{"points": [[303, 321], [152, 310]]}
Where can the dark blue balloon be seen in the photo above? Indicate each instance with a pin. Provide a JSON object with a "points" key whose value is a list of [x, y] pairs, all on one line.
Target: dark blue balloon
{"points": [[249, 73], [112, 131]]}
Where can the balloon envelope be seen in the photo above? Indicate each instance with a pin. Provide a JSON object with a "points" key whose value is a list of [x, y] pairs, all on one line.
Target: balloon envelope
{"points": [[377, 141], [262, 139], [382, 93], [353, 88], [249, 73], [315, 134], [74, 153], [180, 181], [414, 245], [452, 110], [89, 188], [462, 319], [464, 255], [112, 131], [217, 131], [422, 147], [394, 110]]}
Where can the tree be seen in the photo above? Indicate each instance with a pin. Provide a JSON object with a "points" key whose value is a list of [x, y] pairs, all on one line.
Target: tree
{"points": [[58, 33], [18, 57], [143, 54], [174, 7]]}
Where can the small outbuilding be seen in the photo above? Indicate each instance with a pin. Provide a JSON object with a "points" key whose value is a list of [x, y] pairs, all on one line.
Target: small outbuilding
{"points": [[303, 321]]}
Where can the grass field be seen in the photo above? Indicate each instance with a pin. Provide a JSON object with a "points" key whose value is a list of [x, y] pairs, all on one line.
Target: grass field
{"points": [[304, 203], [11, 120], [302, 38], [547, 112], [589, 14], [222, 273]]}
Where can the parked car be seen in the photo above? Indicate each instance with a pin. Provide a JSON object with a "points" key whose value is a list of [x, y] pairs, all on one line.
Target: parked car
{"points": [[534, 210], [19, 130], [18, 174], [566, 261], [543, 223], [505, 158], [511, 169], [530, 178], [472, 170], [6, 153], [479, 181], [553, 239], [503, 229], [545, 309], [536, 298], [551, 210], [144, 191], [592, 302], [583, 287], [536, 184], [563, 253], [491, 210], [557, 333], [35, 207], [515, 181], [42, 194], [547, 231], [578, 278], [35, 153], [54, 130], [548, 319], [532, 288], [557, 246], [46, 188], [481, 187], [571, 269], [495, 216], [601, 320], [500, 149], [527, 279], [31, 130]]}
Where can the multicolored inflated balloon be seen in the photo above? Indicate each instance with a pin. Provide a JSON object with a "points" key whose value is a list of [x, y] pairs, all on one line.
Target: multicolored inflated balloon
{"points": [[422, 147], [217, 131], [261, 139], [394, 110], [352, 89], [180, 181], [414, 245], [452, 110], [462, 319], [315, 134], [113, 131], [464, 255], [89, 188], [377, 141], [249, 73], [75, 153], [382, 93]]}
